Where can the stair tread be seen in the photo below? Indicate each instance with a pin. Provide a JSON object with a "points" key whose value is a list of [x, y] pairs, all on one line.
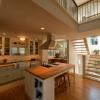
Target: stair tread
{"points": [[91, 77], [89, 66], [93, 74], [77, 42], [93, 70]]}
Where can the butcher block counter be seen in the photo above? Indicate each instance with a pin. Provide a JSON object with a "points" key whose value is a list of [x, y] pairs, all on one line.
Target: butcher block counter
{"points": [[53, 70], [40, 80]]}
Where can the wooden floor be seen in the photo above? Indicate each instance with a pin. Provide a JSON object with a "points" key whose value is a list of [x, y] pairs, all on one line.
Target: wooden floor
{"points": [[83, 89]]}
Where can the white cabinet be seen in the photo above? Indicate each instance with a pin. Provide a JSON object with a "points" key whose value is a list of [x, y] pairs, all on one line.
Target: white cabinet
{"points": [[39, 89], [12, 72], [34, 63], [6, 74], [22, 66], [4, 46], [29, 85]]}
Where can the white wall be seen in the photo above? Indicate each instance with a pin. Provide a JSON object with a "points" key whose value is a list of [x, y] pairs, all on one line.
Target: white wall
{"points": [[75, 59], [56, 10]]}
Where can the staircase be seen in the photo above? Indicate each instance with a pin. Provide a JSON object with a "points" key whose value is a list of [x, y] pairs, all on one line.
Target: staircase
{"points": [[92, 69], [80, 46]]}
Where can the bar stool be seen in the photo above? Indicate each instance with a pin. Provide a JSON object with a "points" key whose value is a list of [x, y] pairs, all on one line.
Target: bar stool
{"points": [[67, 77], [61, 82]]}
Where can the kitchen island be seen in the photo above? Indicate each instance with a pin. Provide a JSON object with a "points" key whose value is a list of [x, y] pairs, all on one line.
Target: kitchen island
{"points": [[40, 81]]}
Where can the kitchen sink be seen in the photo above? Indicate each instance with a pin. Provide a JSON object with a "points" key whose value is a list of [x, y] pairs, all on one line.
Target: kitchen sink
{"points": [[48, 65]]}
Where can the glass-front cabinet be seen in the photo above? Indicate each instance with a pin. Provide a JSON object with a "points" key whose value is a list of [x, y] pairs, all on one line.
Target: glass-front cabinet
{"points": [[7, 46], [0, 45], [19, 47], [31, 47], [15, 46], [4, 46]]}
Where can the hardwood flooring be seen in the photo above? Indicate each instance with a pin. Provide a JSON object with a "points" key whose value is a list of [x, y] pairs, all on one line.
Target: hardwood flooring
{"points": [[83, 89]]}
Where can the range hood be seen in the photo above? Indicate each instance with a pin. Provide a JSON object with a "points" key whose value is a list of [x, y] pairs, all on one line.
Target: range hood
{"points": [[50, 43]]}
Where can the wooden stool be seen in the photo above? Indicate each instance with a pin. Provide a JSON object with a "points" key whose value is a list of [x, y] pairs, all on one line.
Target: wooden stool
{"points": [[67, 78], [60, 83]]}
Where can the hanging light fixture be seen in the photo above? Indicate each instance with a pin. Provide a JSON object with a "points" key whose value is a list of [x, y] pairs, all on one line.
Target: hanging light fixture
{"points": [[22, 38]]}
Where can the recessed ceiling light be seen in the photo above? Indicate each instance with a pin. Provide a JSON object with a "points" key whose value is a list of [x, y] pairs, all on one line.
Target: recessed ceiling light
{"points": [[42, 28]]}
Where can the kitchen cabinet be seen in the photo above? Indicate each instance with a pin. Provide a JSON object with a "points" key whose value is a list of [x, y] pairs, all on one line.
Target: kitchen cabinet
{"points": [[36, 47], [33, 87], [0, 45], [31, 47], [4, 46], [34, 63], [29, 85], [6, 74], [7, 46], [18, 47], [38, 89], [22, 66], [12, 72]]}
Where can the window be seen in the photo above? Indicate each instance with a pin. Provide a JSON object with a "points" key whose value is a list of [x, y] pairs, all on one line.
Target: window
{"points": [[94, 41]]}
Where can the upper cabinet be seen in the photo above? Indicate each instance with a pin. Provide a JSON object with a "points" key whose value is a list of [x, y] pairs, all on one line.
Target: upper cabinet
{"points": [[15, 46], [31, 47], [19, 47], [0, 45], [36, 47], [4, 46], [7, 46]]}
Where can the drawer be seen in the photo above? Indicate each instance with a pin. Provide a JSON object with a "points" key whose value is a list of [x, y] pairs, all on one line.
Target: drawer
{"points": [[6, 78]]}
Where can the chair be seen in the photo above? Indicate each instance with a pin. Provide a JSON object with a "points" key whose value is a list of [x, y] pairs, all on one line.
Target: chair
{"points": [[61, 82]]}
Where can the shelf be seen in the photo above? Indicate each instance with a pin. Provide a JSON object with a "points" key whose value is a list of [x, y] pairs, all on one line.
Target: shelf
{"points": [[38, 90]]}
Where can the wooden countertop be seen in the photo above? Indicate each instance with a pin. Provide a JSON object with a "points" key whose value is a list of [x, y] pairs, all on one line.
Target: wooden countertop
{"points": [[44, 72], [13, 63]]}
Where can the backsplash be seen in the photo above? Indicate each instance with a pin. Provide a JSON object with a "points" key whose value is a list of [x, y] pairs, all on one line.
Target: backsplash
{"points": [[18, 58]]}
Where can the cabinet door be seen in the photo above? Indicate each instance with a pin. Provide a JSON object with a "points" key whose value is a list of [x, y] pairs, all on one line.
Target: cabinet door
{"points": [[17, 74], [5, 78], [36, 47], [31, 47], [5, 75], [2, 70], [0, 45], [29, 85], [7, 46]]}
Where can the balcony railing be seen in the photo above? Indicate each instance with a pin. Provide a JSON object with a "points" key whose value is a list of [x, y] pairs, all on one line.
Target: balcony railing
{"points": [[84, 12], [70, 6], [89, 10]]}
